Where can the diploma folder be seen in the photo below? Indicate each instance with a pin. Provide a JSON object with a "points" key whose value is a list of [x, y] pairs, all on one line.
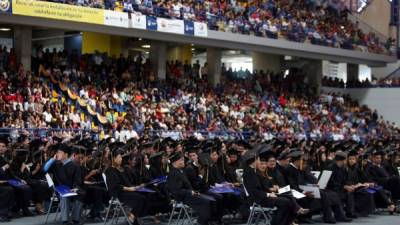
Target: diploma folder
{"points": [[65, 191]]}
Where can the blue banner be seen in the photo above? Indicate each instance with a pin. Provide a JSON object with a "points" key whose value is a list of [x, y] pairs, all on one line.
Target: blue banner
{"points": [[6, 6], [189, 27], [151, 23]]}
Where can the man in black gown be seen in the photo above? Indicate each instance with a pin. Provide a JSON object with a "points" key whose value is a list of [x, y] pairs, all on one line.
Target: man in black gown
{"points": [[181, 190]]}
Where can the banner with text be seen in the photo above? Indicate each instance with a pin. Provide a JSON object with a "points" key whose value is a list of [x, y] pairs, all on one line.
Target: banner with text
{"points": [[138, 21], [200, 29], [170, 26], [57, 11], [117, 19]]}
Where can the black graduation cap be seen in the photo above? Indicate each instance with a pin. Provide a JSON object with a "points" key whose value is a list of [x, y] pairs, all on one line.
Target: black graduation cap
{"points": [[365, 155], [156, 155], [205, 159], [265, 156], [377, 152], [250, 156], [340, 155], [232, 151], [295, 155], [4, 140], [244, 144], [63, 147], [353, 152], [117, 151], [284, 155], [167, 142], [80, 149], [175, 157], [264, 148]]}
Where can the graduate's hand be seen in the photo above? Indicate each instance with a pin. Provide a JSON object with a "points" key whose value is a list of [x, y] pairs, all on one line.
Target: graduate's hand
{"points": [[348, 188], [5, 167], [309, 194], [23, 181], [271, 195], [131, 188]]}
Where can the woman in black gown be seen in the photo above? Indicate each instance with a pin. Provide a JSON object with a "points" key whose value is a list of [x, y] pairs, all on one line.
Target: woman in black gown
{"points": [[120, 187]]}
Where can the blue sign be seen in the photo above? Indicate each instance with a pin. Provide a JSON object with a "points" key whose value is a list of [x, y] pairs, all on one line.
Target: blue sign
{"points": [[151, 23], [6, 6], [189, 27]]}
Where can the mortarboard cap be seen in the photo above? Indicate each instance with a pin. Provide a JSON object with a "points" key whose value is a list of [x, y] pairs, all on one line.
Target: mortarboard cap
{"points": [[175, 157], [340, 156]]}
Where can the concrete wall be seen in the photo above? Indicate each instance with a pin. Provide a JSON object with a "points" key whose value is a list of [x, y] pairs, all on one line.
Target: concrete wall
{"points": [[265, 62], [377, 15], [382, 72], [385, 100]]}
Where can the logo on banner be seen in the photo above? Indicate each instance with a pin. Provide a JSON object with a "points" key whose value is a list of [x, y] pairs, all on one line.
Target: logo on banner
{"points": [[189, 28], [5, 6], [151, 23]]}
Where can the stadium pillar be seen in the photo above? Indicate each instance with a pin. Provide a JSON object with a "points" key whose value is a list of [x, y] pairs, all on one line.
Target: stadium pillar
{"points": [[158, 59], [352, 72], [214, 56], [23, 45], [313, 72], [181, 53], [265, 62]]}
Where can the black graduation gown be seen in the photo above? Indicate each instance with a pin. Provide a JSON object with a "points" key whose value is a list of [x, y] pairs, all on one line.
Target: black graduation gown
{"points": [[95, 194], [364, 201], [23, 193], [391, 183], [329, 202], [6, 193], [116, 181], [180, 189], [156, 202], [257, 188], [338, 180]]}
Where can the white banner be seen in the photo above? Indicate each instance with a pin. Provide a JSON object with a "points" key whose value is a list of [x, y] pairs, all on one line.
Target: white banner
{"points": [[117, 19], [170, 26], [200, 29], [138, 21]]}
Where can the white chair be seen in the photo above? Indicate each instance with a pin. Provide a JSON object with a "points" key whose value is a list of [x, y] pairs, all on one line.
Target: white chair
{"points": [[184, 213], [54, 198], [116, 206], [257, 211]]}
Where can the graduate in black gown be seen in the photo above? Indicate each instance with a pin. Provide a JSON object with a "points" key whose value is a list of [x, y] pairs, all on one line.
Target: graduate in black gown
{"points": [[364, 201], [120, 187], [380, 176], [66, 172], [258, 190], [181, 190], [329, 203], [6, 192], [22, 193]]}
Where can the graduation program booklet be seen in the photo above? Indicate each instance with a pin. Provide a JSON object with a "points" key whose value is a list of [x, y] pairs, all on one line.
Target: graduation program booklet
{"points": [[324, 179], [284, 190], [297, 194], [312, 189]]}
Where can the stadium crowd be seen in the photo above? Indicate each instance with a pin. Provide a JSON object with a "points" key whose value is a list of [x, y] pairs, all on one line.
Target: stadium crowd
{"points": [[77, 117], [374, 83], [320, 22]]}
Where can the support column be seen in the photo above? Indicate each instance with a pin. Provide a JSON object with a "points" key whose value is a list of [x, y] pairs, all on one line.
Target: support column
{"points": [[181, 53], [23, 45], [266, 62], [352, 72], [214, 56], [158, 57], [313, 70]]}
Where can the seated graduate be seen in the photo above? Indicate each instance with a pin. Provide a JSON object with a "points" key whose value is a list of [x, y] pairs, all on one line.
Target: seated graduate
{"points": [[380, 176], [259, 192], [364, 201], [6, 191], [181, 190], [329, 203], [120, 187], [94, 194], [68, 173]]}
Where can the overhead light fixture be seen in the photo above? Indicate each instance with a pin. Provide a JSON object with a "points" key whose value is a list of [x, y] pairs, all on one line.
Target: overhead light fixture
{"points": [[5, 29], [193, 49], [145, 46], [192, 44], [139, 39]]}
